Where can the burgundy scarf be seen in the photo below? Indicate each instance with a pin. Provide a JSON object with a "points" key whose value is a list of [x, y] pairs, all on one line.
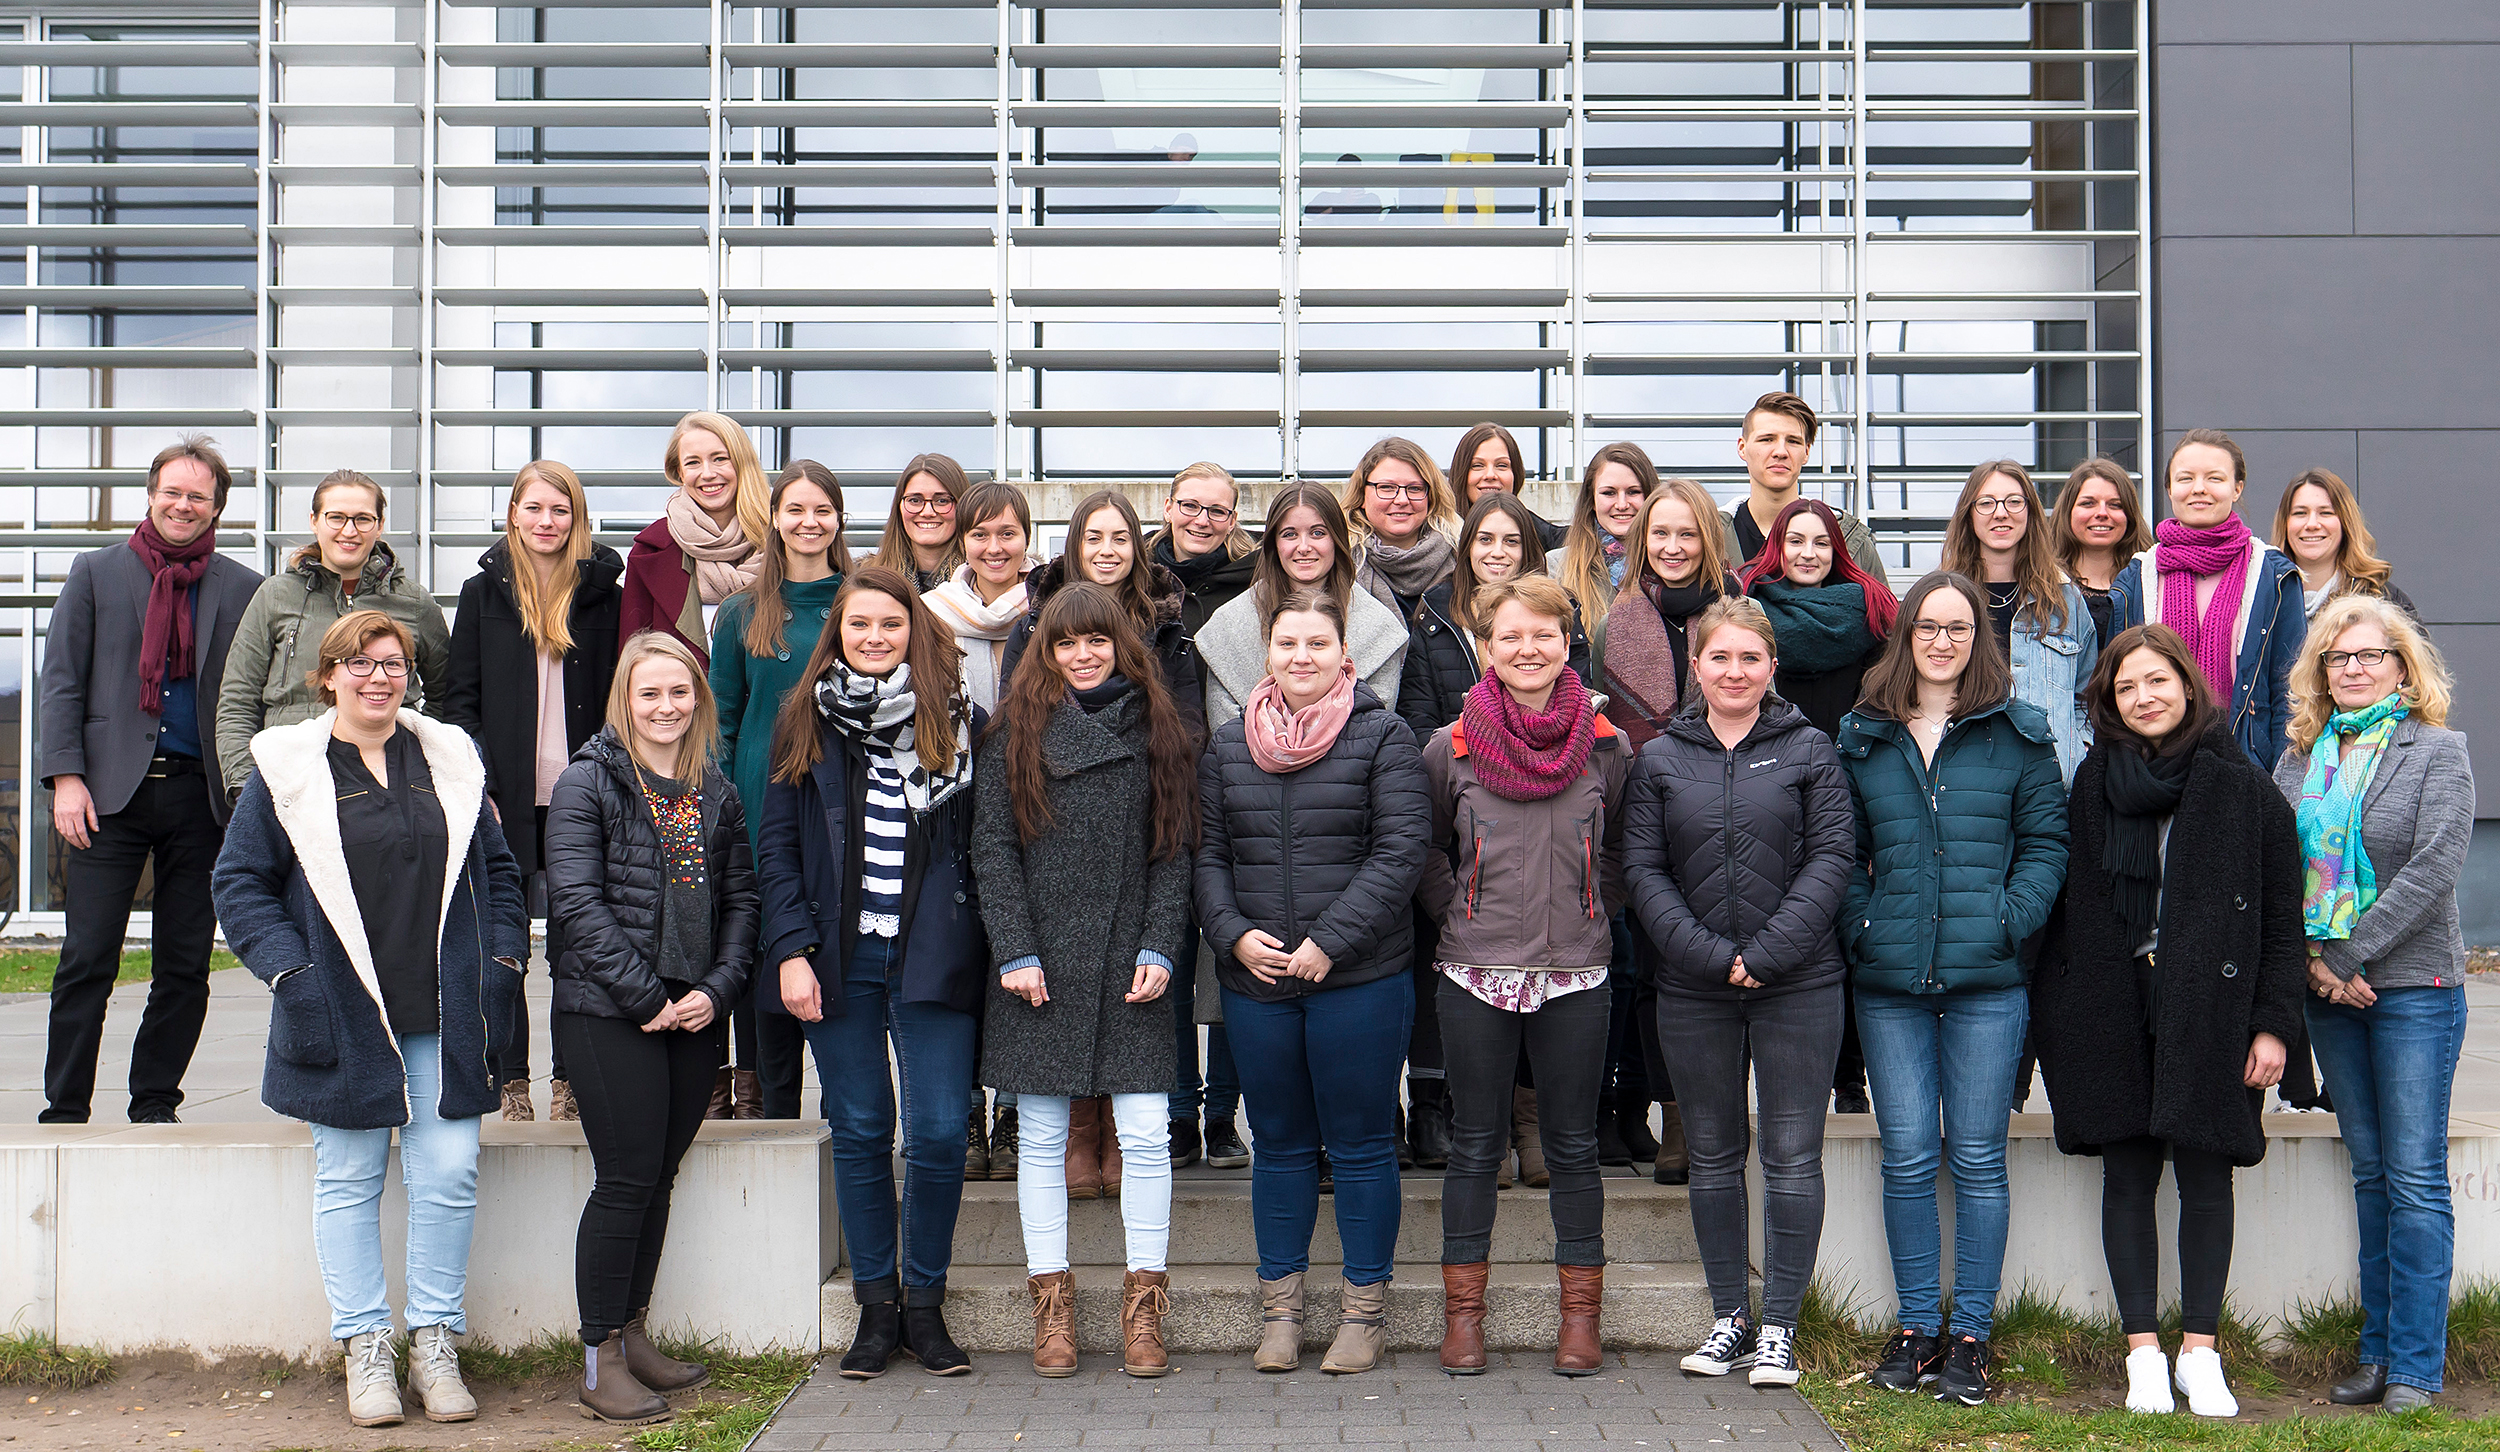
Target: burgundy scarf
{"points": [[2187, 555], [1640, 666], [166, 642], [1522, 757]]}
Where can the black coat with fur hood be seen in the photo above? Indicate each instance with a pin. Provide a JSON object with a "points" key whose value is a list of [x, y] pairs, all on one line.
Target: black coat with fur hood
{"points": [[1183, 674]]}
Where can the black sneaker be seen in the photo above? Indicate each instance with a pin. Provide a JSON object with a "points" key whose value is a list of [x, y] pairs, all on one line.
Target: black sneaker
{"points": [[1729, 1345], [1327, 1175], [1184, 1143], [1910, 1361], [1225, 1151], [1850, 1101], [1774, 1358], [1964, 1376]]}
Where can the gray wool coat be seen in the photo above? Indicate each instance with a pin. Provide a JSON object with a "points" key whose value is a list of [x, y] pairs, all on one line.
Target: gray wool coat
{"points": [[1086, 897], [2416, 820]]}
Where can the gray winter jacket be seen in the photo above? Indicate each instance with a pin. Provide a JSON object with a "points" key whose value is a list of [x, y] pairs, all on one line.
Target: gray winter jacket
{"points": [[2415, 824]]}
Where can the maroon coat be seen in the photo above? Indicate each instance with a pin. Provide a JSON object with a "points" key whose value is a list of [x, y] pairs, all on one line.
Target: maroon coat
{"points": [[655, 589]]}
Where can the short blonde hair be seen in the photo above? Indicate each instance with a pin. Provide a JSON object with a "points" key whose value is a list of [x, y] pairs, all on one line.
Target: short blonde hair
{"points": [[348, 636], [2428, 689], [694, 749], [1540, 593]]}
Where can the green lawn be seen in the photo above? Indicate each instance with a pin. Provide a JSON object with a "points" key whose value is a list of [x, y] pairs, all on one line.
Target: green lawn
{"points": [[29, 970], [1890, 1422]]}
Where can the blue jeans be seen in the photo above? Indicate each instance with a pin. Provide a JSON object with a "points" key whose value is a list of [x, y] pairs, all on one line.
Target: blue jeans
{"points": [[1948, 1058], [2390, 1067], [1323, 1069], [933, 1054], [438, 1164], [1220, 1090]]}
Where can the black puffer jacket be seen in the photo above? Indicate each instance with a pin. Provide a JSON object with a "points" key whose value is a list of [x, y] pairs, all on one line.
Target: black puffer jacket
{"points": [[1442, 664], [603, 885], [1170, 641], [1745, 851], [1331, 853]]}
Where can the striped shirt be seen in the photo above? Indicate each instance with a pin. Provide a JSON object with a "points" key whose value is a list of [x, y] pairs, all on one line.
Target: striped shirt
{"points": [[884, 827]]}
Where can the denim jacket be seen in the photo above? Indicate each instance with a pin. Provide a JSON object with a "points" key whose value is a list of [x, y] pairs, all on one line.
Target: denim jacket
{"points": [[2050, 670]]}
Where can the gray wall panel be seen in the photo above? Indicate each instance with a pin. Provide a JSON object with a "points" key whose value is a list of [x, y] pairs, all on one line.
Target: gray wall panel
{"points": [[2473, 653], [2180, 22], [2286, 168], [2425, 499], [2423, 117]]}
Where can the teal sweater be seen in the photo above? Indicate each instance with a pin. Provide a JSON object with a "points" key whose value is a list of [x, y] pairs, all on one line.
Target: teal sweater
{"points": [[749, 688]]}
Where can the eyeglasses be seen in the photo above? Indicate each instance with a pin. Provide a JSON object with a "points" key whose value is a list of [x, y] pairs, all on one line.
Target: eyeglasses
{"points": [[928, 504], [361, 523], [185, 496], [1957, 632], [361, 666], [1416, 490], [2012, 505], [1212, 513], [2335, 660]]}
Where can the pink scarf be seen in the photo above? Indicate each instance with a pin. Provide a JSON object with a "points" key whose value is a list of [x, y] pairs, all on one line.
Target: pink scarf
{"points": [[1283, 740], [2187, 555], [1522, 757]]}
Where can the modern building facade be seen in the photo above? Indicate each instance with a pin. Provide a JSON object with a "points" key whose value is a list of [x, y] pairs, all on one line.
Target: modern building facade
{"points": [[433, 240]]}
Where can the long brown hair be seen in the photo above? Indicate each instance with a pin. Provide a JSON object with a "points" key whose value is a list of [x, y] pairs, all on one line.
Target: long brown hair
{"points": [[1463, 585], [2100, 694], [1891, 686], [545, 602], [1463, 458], [1132, 587], [1584, 571], [764, 634], [1440, 507], [1268, 581], [2356, 558], [2037, 576], [936, 664], [1710, 570], [894, 548], [694, 749], [1038, 690], [2102, 469]]}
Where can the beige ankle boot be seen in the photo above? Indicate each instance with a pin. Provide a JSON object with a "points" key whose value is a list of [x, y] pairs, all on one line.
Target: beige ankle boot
{"points": [[1362, 1329], [434, 1376], [1280, 1324]]}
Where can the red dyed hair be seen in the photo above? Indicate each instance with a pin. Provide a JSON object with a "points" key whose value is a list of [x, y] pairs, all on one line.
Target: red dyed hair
{"points": [[1881, 607]]}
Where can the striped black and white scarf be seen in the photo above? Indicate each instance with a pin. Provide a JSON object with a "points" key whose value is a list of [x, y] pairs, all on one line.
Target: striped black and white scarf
{"points": [[879, 714]]}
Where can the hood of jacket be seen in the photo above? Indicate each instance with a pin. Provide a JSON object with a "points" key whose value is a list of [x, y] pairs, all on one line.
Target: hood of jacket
{"points": [[1230, 641]]}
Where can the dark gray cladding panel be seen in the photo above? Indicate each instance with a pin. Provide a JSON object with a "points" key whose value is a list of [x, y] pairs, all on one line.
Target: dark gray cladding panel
{"points": [[2256, 140]]}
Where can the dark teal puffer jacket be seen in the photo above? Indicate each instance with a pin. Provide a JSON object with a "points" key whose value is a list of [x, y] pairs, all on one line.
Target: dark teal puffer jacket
{"points": [[1967, 860]]}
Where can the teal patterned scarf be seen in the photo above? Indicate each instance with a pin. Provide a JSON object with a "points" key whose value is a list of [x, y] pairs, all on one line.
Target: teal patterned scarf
{"points": [[2339, 884]]}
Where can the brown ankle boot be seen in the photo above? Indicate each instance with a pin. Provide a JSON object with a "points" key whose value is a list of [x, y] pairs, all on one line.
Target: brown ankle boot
{"points": [[1362, 1329], [1462, 1318], [1144, 1298], [718, 1108], [1085, 1149], [1107, 1137], [1280, 1324], [654, 1368], [1054, 1323], [746, 1094], [1576, 1350], [1675, 1160], [609, 1390]]}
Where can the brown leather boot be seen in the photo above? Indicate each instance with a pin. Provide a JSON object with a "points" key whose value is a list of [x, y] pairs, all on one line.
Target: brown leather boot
{"points": [[718, 1108], [1054, 1323], [746, 1094], [561, 1108], [516, 1102], [1462, 1318], [654, 1368], [1107, 1136], [1144, 1298], [609, 1391], [1576, 1351], [1084, 1149], [1529, 1139], [1675, 1160]]}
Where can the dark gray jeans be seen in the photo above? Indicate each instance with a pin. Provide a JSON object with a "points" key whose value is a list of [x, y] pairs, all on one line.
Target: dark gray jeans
{"points": [[1791, 1040], [1566, 1045]]}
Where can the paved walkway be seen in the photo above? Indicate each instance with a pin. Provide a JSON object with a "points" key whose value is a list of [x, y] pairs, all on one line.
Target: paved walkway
{"points": [[1517, 1406]]}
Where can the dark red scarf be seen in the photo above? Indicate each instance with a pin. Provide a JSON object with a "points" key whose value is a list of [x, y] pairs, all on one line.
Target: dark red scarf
{"points": [[166, 642], [1524, 757]]}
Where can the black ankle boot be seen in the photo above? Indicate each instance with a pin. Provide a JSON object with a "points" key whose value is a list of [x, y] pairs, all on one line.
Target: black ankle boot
{"points": [[925, 1340], [1429, 1126], [874, 1344]]}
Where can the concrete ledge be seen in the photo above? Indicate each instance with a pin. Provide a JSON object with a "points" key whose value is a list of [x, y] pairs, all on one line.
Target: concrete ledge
{"points": [[198, 1237]]}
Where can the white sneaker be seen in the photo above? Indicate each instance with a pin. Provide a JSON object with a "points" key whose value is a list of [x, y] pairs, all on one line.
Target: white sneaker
{"points": [[2148, 1381], [373, 1379], [434, 1376], [2200, 1376]]}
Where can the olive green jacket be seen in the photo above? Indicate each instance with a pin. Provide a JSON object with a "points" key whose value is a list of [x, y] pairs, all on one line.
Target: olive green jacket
{"points": [[279, 642]]}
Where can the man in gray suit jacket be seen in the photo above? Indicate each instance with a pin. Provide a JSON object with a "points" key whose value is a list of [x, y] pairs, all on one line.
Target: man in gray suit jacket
{"points": [[131, 667]]}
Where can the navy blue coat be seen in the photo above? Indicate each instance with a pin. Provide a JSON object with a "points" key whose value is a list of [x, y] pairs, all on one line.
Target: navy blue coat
{"points": [[808, 862], [288, 907]]}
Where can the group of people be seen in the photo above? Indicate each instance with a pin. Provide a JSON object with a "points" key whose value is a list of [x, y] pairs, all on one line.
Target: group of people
{"points": [[1549, 822]]}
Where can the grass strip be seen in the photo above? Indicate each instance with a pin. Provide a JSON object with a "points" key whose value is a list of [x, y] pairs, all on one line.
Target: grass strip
{"points": [[32, 1359]]}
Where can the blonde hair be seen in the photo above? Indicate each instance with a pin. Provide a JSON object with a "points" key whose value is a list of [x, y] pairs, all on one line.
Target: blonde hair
{"points": [[1740, 611], [2428, 689], [1710, 570], [1441, 507], [346, 636], [1544, 595], [2356, 555], [546, 606], [694, 749], [1238, 542], [310, 552], [755, 515]]}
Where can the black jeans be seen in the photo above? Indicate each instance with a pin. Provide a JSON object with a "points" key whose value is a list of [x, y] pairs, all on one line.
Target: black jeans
{"points": [[1566, 1044], [168, 818], [1626, 1085], [508, 1041], [774, 1045], [1423, 1038], [2130, 1181], [1790, 1040], [642, 1097]]}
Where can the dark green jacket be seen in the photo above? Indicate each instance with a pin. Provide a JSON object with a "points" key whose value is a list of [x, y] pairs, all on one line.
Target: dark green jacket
{"points": [[1967, 857]]}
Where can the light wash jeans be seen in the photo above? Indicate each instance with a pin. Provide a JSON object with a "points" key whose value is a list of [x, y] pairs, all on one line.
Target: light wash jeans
{"points": [[438, 1164], [1145, 1179]]}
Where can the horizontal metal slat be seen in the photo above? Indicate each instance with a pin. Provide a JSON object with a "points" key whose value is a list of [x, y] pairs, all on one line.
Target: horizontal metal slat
{"points": [[620, 360], [803, 56], [862, 360], [914, 175], [809, 235], [1461, 232], [1112, 418], [575, 113], [1686, 365], [132, 298], [1219, 233], [187, 236], [1432, 360], [109, 418], [1176, 297], [2000, 420], [1148, 360], [1434, 418], [575, 174], [129, 174], [839, 297], [691, 235], [547, 54], [1392, 297], [1410, 57], [134, 356], [1434, 174], [1148, 174], [343, 418], [571, 297], [933, 115], [319, 175], [1475, 115], [1232, 115], [1042, 56], [554, 418], [865, 418], [129, 52], [241, 115], [308, 357]]}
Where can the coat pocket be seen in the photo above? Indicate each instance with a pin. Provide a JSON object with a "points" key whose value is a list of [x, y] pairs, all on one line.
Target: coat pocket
{"points": [[302, 1029]]}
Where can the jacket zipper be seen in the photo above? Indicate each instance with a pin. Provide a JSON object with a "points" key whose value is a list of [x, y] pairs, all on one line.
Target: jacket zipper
{"points": [[1727, 837], [1284, 822]]}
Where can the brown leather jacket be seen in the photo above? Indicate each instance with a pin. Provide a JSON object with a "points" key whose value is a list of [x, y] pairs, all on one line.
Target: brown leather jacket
{"points": [[1526, 884]]}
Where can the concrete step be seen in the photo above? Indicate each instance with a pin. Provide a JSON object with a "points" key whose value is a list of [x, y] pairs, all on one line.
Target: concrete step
{"points": [[1215, 1309], [1212, 1225]]}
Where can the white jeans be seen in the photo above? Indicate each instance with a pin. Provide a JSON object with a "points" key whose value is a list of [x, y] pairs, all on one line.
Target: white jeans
{"points": [[1145, 1130]]}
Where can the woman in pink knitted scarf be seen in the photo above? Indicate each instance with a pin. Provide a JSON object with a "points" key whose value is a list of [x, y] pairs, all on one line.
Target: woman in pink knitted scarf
{"points": [[2235, 601]]}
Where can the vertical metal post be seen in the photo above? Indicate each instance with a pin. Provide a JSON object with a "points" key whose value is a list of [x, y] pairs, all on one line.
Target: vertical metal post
{"points": [[1575, 62], [1289, 219], [715, 207], [1003, 376], [1861, 482], [429, 34], [2146, 437], [265, 273]]}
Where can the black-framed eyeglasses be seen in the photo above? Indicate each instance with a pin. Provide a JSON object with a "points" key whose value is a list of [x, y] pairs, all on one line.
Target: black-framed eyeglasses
{"points": [[1957, 632], [361, 523], [361, 666], [2014, 505], [928, 504], [2371, 659], [1212, 513], [1416, 490]]}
